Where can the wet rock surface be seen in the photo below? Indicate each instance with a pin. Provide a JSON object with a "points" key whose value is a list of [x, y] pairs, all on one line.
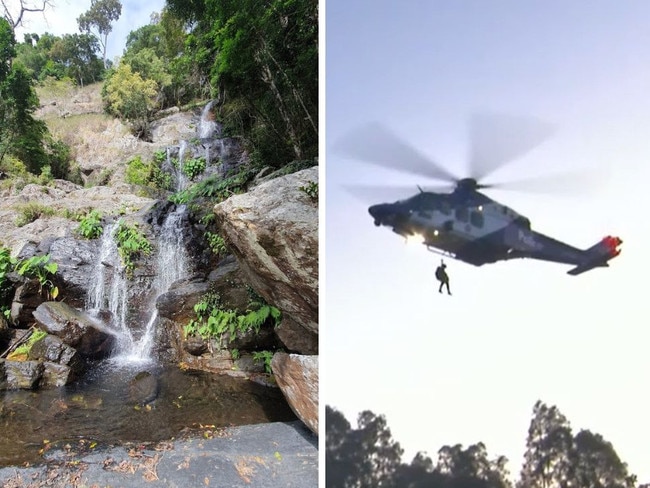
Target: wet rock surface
{"points": [[24, 375], [75, 328], [53, 349], [28, 296], [143, 388], [178, 302]]}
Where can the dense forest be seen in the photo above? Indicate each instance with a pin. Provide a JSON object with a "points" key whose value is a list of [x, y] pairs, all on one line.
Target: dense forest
{"points": [[257, 59], [555, 457]]}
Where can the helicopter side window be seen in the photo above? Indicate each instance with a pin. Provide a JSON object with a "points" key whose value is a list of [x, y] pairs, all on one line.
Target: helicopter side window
{"points": [[476, 218], [462, 214]]}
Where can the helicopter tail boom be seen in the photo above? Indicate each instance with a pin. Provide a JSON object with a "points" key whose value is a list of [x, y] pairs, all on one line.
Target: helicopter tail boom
{"points": [[598, 255]]}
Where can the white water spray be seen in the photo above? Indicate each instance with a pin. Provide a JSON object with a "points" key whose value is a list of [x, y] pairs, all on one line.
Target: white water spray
{"points": [[109, 288], [181, 179], [207, 125]]}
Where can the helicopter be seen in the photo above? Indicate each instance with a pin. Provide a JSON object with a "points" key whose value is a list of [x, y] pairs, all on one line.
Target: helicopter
{"points": [[457, 220]]}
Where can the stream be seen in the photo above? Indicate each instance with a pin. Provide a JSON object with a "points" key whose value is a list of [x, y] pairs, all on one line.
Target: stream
{"points": [[98, 409]]}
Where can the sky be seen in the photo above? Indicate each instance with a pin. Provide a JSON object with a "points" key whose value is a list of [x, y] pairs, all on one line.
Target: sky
{"points": [[469, 367], [62, 19]]}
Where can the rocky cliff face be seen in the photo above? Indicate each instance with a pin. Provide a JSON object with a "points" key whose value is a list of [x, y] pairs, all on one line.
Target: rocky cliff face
{"points": [[273, 231]]}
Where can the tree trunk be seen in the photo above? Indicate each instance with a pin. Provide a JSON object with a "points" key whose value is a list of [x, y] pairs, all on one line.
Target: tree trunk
{"points": [[267, 77]]}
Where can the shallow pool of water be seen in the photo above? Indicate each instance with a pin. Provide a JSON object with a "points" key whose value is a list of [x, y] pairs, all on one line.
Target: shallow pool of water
{"points": [[102, 408]]}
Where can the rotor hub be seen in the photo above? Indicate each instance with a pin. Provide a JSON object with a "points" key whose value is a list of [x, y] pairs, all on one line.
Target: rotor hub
{"points": [[468, 184]]}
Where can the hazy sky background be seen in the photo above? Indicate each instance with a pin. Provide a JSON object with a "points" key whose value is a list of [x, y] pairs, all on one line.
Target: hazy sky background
{"points": [[469, 368], [62, 19]]}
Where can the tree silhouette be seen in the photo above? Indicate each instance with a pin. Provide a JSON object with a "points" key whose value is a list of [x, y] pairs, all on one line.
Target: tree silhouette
{"points": [[555, 458], [369, 457], [362, 457]]}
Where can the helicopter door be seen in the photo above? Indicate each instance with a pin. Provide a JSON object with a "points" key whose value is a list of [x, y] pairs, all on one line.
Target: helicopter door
{"points": [[462, 216]]}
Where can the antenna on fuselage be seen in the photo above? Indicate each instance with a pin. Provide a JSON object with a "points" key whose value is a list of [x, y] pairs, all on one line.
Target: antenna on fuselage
{"points": [[421, 190]]}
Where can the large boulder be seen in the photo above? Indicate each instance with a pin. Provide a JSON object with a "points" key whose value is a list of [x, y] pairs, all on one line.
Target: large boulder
{"points": [[177, 304], [23, 375], [273, 232], [297, 377], [76, 262], [76, 329], [229, 281], [28, 296], [52, 349]]}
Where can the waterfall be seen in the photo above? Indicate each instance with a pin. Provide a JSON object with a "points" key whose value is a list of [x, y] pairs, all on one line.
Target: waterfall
{"points": [[207, 125], [109, 286], [172, 261], [181, 179]]}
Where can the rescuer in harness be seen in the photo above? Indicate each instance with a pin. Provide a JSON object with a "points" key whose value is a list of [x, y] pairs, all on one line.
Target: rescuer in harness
{"points": [[442, 277]]}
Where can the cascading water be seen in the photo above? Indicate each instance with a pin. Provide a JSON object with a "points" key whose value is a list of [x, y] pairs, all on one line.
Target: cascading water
{"points": [[110, 286], [172, 264], [207, 125], [181, 179]]}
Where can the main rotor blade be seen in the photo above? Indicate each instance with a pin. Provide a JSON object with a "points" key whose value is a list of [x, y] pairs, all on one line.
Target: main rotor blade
{"points": [[376, 144], [575, 183], [373, 194], [497, 139]]}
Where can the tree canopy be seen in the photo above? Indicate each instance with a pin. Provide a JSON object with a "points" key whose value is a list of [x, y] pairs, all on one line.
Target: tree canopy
{"points": [[367, 456], [98, 20]]}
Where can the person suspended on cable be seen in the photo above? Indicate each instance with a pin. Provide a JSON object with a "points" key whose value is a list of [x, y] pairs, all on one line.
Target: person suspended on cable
{"points": [[442, 277]]}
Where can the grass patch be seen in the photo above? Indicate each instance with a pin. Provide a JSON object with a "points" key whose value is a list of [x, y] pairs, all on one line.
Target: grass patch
{"points": [[31, 211]]}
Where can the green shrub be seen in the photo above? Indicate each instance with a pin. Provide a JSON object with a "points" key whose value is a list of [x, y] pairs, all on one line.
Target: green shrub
{"points": [[131, 245], [90, 226], [194, 167], [215, 188], [42, 268], [147, 174], [212, 321], [217, 243], [137, 172], [7, 265]]}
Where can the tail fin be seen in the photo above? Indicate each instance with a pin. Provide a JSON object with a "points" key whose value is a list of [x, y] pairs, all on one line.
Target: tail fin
{"points": [[598, 255]]}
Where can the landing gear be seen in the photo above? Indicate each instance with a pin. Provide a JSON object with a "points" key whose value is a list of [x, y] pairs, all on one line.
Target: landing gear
{"points": [[377, 223]]}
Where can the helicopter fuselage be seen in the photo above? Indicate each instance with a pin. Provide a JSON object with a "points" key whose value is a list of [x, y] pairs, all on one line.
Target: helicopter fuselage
{"points": [[468, 226]]}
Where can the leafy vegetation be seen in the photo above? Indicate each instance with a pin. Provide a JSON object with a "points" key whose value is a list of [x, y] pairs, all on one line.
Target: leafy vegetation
{"points": [[43, 269], [217, 244], [212, 321], [21, 135], [261, 58], [215, 188], [554, 457], [264, 357], [193, 167], [148, 174], [7, 265], [90, 226], [130, 97], [98, 19], [311, 190], [131, 245]]}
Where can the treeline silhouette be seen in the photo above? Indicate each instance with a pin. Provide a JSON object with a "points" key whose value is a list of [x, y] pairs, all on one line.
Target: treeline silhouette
{"points": [[367, 456]]}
